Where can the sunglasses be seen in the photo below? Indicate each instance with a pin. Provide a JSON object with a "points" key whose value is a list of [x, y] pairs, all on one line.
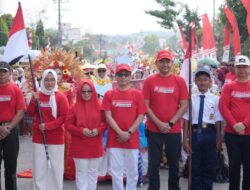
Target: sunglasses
{"points": [[86, 91], [89, 73], [101, 70], [123, 74]]}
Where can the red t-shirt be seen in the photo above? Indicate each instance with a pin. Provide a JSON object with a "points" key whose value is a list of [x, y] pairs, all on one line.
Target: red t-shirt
{"points": [[53, 127], [125, 107], [164, 95], [235, 105], [11, 100], [230, 77]]}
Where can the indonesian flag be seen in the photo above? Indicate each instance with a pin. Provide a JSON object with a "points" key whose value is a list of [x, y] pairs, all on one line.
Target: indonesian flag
{"points": [[17, 45], [48, 48], [226, 44], [236, 36], [184, 41], [246, 4], [208, 38], [186, 67]]}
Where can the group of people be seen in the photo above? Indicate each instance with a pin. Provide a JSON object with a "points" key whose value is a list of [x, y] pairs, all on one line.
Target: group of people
{"points": [[164, 99]]}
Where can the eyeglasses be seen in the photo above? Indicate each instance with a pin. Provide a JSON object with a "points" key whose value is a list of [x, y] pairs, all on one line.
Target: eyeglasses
{"points": [[123, 74], [89, 73], [86, 91], [101, 70]]}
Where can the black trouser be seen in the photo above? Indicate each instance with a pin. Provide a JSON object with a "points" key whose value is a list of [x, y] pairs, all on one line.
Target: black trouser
{"points": [[9, 148], [238, 149], [173, 151]]}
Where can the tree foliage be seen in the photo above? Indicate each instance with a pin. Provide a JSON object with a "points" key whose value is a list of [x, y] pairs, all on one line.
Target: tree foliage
{"points": [[8, 19], [240, 14], [166, 16], [3, 32], [151, 44], [40, 34]]}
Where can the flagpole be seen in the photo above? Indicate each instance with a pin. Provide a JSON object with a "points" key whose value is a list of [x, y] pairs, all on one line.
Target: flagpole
{"points": [[39, 113], [190, 109]]}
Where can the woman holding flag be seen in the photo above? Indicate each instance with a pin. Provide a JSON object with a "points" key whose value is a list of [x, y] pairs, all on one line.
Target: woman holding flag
{"points": [[54, 107]]}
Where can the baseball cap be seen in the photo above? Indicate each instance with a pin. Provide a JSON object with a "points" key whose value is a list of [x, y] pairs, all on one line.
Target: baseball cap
{"points": [[164, 54], [5, 66], [242, 60], [122, 67], [202, 71]]}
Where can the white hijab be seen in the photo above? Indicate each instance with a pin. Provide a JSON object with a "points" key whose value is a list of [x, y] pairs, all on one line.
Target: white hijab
{"points": [[51, 93]]}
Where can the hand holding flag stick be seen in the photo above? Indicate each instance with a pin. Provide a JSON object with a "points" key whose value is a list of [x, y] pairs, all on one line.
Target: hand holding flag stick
{"points": [[39, 113]]}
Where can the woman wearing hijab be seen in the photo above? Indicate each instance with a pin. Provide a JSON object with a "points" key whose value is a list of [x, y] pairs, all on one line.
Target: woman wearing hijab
{"points": [[54, 108], [85, 122]]}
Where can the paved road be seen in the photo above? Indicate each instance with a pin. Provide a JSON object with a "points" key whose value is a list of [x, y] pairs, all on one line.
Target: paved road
{"points": [[24, 163]]}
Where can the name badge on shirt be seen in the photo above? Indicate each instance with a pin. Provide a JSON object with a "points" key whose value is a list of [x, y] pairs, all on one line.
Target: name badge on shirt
{"points": [[122, 103], [211, 116], [5, 98], [165, 90], [44, 105]]}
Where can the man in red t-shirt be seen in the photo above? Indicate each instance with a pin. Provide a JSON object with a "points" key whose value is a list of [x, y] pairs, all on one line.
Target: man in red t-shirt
{"points": [[234, 106], [230, 76], [166, 97], [124, 110], [12, 106]]}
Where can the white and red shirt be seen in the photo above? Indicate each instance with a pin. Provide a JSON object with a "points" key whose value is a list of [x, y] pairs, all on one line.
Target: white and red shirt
{"points": [[164, 95], [125, 107], [54, 130], [234, 105], [11, 100]]}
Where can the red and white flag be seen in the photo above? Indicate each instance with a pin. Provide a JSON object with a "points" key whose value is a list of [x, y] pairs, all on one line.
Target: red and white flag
{"points": [[30, 41], [208, 38], [186, 66], [236, 35], [17, 45], [226, 44], [48, 48]]}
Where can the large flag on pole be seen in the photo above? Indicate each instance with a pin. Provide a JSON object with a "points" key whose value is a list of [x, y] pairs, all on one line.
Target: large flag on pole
{"points": [[226, 44], [236, 35], [246, 4], [17, 45], [184, 73], [208, 38]]}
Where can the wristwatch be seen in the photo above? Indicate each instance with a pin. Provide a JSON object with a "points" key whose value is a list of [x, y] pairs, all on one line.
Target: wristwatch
{"points": [[130, 132], [171, 124]]}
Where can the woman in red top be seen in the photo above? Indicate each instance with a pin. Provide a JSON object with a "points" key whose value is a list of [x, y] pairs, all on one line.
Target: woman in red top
{"points": [[85, 122], [54, 108]]}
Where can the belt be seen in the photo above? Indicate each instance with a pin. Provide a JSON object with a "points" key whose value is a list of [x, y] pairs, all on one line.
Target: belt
{"points": [[204, 126], [4, 123]]}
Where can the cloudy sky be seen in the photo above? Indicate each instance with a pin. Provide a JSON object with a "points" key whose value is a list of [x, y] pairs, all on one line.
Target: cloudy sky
{"points": [[100, 16]]}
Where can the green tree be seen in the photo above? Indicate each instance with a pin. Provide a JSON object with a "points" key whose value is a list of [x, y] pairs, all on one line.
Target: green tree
{"points": [[240, 14], [9, 20], [167, 16], [3, 32], [151, 44], [40, 34]]}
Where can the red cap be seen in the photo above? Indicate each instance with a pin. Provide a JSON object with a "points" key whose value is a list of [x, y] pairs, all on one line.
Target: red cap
{"points": [[124, 67], [164, 54]]}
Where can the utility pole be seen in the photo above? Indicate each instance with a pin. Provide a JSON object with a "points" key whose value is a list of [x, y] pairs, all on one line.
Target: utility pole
{"points": [[213, 15], [59, 35]]}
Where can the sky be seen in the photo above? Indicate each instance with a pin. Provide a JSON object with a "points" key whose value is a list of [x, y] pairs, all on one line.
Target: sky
{"points": [[109, 17]]}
